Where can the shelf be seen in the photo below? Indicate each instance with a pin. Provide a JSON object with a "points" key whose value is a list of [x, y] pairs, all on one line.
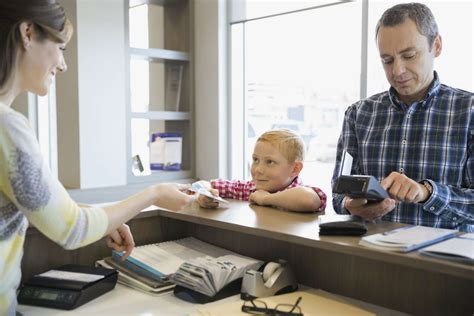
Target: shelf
{"points": [[162, 115], [135, 3], [162, 176], [156, 54]]}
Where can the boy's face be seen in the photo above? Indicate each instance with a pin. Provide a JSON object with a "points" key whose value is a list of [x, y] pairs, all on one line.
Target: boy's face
{"points": [[271, 171]]}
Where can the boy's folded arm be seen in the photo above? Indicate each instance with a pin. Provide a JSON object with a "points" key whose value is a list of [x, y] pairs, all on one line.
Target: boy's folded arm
{"points": [[299, 199]]}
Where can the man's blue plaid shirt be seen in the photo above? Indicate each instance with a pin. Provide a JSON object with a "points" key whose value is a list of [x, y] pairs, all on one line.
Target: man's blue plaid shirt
{"points": [[429, 140]]}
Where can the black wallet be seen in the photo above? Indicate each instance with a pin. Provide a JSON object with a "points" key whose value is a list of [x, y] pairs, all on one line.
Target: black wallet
{"points": [[348, 225]]}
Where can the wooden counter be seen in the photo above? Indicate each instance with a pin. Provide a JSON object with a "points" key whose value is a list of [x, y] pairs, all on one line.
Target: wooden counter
{"points": [[406, 282]]}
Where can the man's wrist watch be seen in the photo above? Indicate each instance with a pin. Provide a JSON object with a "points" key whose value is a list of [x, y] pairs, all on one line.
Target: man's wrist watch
{"points": [[429, 187]]}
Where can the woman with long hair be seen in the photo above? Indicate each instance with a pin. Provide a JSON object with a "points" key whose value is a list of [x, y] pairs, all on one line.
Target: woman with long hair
{"points": [[33, 36]]}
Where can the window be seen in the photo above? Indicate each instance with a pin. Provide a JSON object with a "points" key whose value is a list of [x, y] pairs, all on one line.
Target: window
{"points": [[42, 117], [301, 70]]}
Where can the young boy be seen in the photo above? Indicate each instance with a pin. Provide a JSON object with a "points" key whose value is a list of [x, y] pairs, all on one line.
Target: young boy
{"points": [[277, 161]]}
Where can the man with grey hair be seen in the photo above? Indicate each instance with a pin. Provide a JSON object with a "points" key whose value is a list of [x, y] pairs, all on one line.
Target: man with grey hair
{"points": [[417, 138]]}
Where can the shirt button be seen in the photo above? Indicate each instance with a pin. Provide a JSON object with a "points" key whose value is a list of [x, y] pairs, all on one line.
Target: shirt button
{"points": [[408, 116], [404, 142], [401, 170], [455, 218], [432, 208]]}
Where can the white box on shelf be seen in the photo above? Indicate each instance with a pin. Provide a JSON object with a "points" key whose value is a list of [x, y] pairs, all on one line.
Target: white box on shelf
{"points": [[166, 151]]}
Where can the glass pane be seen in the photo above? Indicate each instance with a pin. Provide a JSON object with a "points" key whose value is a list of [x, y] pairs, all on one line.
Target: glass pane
{"points": [[139, 85], [304, 82], [251, 9], [140, 130], [43, 126], [138, 25]]}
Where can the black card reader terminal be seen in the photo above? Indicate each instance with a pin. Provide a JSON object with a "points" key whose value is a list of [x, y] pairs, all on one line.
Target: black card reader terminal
{"points": [[360, 186], [67, 287]]}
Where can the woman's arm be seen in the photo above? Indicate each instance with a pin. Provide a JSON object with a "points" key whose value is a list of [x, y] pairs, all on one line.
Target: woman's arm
{"points": [[165, 195]]}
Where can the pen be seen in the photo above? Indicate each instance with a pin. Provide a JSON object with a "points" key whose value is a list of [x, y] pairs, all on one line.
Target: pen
{"points": [[396, 230]]}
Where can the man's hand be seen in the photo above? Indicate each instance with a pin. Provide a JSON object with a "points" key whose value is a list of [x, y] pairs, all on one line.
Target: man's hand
{"points": [[121, 240], [207, 202], [404, 189], [258, 197], [368, 211]]}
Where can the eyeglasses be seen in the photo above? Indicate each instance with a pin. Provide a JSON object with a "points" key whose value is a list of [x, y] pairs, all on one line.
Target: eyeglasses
{"points": [[257, 307]]}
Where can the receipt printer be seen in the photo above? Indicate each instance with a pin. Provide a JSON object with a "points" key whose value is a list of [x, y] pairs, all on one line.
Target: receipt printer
{"points": [[276, 278]]}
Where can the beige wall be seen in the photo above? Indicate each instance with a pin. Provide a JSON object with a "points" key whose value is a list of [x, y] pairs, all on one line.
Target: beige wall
{"points": [[212, 128], [91, 98]]}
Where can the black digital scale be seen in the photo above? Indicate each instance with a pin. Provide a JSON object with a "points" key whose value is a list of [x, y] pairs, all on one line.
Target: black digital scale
{"points": [[67, 287]]}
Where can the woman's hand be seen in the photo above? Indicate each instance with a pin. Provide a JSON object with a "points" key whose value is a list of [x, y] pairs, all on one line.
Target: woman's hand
{"points": [[172, 196], [121, 240]]}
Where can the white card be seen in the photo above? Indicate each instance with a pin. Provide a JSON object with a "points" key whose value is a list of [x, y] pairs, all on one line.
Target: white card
{"points": [[71, 276], [346, 164], [199, 188]]}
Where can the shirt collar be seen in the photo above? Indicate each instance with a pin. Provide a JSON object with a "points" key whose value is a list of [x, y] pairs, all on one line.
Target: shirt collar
{"points": [[432, 91]]}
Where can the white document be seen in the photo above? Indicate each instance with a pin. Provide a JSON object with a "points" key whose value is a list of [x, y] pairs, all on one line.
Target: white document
{"points": [[460, 248], [346, 164], [208, 275], [71, 276], [133, 283], [407, 238], [201, 189], [157, 258]]}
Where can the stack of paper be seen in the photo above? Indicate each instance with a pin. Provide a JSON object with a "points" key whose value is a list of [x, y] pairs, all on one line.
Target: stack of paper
{"points": [[149, 267], [460, 249], [407, 238], [208, 275], [131, 279]]}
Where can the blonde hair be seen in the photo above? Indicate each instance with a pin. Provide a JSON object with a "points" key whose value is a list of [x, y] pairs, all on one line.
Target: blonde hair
{"points": [[290, 144]]}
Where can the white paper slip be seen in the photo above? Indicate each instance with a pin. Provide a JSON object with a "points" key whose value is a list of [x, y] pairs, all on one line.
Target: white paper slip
{"points": [[159, 259], [407, 238], [346, 164], [71, 276], [200, 188], [460, 248]]}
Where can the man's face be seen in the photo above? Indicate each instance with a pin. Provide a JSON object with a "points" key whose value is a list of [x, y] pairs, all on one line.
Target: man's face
{"points": [[407, 59]]}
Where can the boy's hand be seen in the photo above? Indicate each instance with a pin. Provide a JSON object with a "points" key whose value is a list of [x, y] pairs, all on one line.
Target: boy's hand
{"points": [[207, 202], [259, 197]]}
